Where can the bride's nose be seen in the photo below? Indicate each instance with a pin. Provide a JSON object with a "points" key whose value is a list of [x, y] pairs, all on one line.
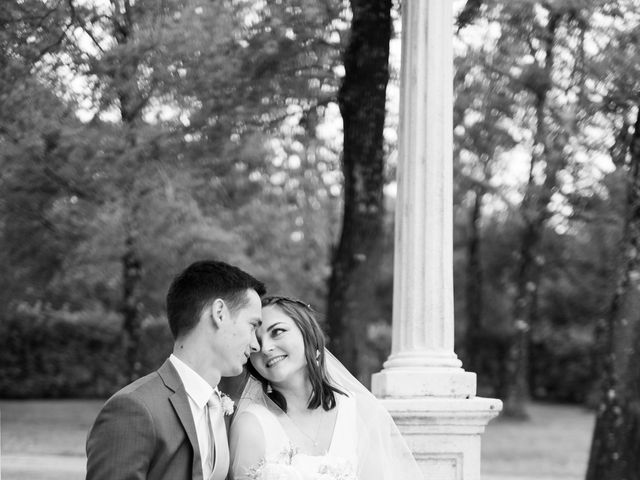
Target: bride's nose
{"points": [[267, 345]]}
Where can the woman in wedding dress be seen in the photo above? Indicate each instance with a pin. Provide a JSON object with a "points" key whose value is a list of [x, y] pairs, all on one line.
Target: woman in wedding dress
{"points": [[302, 415]]}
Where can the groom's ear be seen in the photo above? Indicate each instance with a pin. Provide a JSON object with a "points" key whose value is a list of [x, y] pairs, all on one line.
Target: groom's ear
{"points": [[216, 312]]}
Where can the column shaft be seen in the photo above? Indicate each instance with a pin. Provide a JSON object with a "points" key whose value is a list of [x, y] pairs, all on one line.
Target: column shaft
{"points": [[422, 384], [423, 324], [423, 273]]}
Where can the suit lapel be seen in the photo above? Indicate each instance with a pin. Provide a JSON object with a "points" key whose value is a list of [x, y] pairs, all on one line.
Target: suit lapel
{"points": [[180, 403]]}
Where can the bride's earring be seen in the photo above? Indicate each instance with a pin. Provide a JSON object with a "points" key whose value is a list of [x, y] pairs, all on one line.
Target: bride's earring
{"points": [[269, 388], [318, 358]]}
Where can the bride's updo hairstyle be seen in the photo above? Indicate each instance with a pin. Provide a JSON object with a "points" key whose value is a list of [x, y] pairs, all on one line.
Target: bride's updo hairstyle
{"points": [[323, 391]]}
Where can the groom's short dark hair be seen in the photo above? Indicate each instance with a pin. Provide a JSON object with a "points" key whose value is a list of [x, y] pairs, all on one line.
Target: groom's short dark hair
{"points": [[201, 283]]}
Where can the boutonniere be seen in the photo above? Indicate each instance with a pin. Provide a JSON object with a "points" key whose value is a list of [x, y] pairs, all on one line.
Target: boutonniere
{"points": [[226, 403]]}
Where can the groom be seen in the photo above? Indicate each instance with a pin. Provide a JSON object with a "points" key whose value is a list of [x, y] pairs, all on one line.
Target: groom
{"points": [[169, 425]]}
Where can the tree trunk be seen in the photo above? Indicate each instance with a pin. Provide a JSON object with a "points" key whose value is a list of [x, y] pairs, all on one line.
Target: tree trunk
{"points": [[131, 104], [534, 212], [474, 284], [362, 96], [517, 360], [131, 325], [616, 439]]}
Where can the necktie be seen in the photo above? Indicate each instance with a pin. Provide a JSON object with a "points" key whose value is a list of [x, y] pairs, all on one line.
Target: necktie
{"points": [[218, 455]]}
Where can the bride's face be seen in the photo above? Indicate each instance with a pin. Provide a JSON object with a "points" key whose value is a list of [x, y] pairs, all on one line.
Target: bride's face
{"points": [[281, 356]]}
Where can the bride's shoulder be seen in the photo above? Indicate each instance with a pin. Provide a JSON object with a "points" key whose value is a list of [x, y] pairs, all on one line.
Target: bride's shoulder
{"points": [[248, 413], [247, 443], [252, 418], [252, 407], [247, 423], [247, 429]]}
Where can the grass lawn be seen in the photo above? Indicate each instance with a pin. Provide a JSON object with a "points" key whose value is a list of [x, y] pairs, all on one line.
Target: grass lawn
{"points": [[44, 440], [553, 445], [50, 427]]}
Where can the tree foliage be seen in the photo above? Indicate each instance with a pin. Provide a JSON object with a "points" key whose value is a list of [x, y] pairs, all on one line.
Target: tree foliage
{"points": [[143, 136], [536, 115]]}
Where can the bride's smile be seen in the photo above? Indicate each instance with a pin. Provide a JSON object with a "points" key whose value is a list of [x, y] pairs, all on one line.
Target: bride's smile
{"points": [[273, 361]]}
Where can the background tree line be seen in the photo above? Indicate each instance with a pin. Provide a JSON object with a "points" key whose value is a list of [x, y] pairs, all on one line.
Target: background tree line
{"points": [[138, 136]]}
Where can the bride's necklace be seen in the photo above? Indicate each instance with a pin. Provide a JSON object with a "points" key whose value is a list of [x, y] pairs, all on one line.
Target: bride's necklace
{"points": [[313, 438]]}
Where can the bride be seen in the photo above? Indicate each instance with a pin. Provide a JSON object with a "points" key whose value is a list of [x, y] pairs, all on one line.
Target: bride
{"points": [[302, 415]]}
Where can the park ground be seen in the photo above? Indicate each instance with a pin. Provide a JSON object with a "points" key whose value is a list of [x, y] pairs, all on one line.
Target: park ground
{"points": [[44, 440]]}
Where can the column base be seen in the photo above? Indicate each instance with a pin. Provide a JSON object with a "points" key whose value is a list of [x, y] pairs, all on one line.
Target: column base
{"points": [[444, 434], [417, 382]]}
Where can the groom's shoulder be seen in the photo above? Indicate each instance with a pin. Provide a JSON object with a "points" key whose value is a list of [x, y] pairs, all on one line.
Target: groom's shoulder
{"points": [[142, 385], [131, 411], [144, 389]]}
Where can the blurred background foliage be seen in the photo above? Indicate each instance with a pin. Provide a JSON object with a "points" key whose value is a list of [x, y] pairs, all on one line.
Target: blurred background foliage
{"points": [[139, 136]]}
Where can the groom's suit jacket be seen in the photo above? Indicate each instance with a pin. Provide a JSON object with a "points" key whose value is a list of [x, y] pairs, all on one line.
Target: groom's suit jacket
{"points": [[145, 431]]}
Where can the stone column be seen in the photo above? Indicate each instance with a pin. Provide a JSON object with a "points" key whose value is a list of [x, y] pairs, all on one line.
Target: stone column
{"points": [[431, 397]]}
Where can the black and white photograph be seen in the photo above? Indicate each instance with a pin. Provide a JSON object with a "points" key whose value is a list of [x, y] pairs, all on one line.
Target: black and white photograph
{"points": [[319, 240]]}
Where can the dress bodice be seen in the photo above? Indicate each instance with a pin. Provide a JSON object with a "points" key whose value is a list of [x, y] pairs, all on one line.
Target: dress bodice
{"points": [[343, 443]]}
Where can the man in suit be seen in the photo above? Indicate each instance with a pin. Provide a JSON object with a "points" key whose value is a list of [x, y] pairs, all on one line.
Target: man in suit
{"points": [[169, 424]]}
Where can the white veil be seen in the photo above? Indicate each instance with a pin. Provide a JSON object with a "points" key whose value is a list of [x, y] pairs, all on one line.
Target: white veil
{"points": [[382, 452]]}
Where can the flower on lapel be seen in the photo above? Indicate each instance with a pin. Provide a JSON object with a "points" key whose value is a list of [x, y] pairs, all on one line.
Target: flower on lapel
{"points": [[226, 403]]}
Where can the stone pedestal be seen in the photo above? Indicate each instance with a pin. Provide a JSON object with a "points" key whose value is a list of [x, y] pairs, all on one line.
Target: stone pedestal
{"points": [[444, 434], [423, 385]]}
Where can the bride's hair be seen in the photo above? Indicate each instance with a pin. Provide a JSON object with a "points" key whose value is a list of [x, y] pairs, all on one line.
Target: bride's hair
{"points": [[323, 391]]}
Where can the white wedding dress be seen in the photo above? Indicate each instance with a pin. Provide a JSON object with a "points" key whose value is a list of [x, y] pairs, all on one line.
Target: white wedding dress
{"points": [[365, 440], [342, 450]]}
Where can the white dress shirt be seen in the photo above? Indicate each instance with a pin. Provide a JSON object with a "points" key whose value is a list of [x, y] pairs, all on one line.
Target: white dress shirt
{"points": [[198, 391]]}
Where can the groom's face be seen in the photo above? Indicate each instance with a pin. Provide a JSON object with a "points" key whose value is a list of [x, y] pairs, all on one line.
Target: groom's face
{"points": [[238, 334]]}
